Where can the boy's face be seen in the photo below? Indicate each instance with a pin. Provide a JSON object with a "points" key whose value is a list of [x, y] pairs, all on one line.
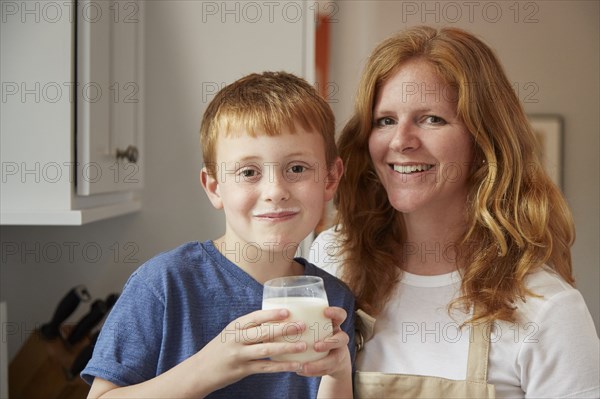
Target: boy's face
{"points": [[272, 188]]}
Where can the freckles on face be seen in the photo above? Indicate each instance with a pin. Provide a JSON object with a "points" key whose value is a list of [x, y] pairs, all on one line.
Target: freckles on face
{"points": [[420, 148], [272, 187]]}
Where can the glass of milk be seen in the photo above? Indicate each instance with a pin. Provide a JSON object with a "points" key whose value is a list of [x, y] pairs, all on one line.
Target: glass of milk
{"points": [[306, 300]]}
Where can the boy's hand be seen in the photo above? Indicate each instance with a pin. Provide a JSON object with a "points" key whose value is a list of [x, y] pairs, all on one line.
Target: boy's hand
{"points": [[337, 362], [242, 348], [238, 351]]}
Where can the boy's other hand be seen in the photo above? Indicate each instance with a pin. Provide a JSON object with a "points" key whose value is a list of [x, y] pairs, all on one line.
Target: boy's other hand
{"points": [[243, 348], [337, 362]]}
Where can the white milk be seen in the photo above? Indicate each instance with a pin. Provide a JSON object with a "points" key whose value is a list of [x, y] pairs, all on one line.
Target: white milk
{"points": [[310, 311]]}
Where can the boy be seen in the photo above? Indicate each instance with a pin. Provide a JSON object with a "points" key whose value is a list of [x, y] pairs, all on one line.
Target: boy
{"points": [[187, 324]]}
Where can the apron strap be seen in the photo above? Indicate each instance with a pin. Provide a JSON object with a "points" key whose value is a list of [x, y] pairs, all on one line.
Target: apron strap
{"points": [[479, 348]]}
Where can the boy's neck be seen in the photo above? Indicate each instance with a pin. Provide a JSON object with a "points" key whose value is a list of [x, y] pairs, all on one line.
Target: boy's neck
{"points": [[260, 263]]}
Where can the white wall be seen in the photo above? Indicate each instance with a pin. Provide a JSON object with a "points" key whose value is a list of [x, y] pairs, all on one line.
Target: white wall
{"points": [[559, 53], [550, 52]]}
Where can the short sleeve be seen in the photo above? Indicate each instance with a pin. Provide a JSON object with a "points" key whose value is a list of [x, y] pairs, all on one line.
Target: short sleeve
{"points": [[325, 251], [129, 343], [562, 359]]}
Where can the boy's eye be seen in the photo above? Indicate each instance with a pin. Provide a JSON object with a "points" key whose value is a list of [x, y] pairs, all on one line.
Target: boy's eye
{"points": [[297, 169], [385, 121], [249, 174], [296, 172]]}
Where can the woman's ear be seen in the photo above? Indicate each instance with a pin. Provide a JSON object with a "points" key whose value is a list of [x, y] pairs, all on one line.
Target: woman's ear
{"points": [[211, 187], [333, 178]]}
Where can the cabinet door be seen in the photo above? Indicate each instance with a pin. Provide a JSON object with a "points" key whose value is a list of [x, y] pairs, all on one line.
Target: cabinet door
{"points": [[109, 63]]}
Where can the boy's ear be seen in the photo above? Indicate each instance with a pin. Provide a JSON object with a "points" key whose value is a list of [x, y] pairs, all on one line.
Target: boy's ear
{"points": [[333, 178], [211, 187]]}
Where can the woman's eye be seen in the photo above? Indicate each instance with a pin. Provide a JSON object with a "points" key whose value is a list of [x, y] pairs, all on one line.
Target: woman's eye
{"points": [[434, 120], [385, 121]]}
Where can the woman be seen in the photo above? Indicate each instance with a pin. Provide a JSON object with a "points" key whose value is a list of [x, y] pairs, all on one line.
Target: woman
{"points": [[451, 234]]}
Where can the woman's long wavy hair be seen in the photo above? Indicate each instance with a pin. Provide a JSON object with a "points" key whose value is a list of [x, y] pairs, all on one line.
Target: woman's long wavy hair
{"points": [[517, 219]]}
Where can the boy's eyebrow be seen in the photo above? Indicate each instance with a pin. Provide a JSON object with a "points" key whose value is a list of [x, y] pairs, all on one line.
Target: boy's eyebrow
{"points": [[291, 155], [300, 153]]}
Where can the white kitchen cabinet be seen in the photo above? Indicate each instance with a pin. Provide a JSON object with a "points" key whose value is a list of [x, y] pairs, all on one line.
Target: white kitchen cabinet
{"points": [[71, 118]]}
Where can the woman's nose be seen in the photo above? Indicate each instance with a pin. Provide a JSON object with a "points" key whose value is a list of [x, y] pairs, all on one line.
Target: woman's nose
{"points": [[405, 138]]}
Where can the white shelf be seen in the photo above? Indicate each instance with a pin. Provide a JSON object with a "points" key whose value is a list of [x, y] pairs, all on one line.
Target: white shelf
{"points": [[58, 145], [69, 217]]}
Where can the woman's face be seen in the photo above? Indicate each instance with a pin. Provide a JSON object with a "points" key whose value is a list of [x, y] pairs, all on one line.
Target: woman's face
{"points": [[420, 148]]}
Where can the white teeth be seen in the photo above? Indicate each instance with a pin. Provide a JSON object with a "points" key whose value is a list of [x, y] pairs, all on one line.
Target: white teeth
{"points": [[411, 168]]}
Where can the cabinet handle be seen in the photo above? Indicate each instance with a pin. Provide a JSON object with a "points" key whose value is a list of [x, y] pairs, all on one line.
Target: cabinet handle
{"points": [[130, 153]]}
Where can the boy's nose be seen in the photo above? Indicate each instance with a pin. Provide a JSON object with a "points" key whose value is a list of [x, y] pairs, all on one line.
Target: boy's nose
{"points": [[276, 189]]}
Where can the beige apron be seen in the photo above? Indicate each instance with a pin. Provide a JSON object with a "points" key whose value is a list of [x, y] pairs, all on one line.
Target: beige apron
{"points": [[382, 385]]}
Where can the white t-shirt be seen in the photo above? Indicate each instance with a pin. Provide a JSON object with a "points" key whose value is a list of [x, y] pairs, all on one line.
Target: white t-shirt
{"points": [[553, 351]]}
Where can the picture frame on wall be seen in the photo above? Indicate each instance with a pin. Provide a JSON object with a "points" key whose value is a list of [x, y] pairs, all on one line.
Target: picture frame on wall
{"points": [[548, 129]]}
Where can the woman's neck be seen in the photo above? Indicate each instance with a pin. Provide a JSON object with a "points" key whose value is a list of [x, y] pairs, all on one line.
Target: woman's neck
{"points": [[431, 242]]}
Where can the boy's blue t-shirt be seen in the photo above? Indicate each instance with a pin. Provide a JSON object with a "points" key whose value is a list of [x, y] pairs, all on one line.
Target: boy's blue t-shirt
{"points": [[176, 303]]}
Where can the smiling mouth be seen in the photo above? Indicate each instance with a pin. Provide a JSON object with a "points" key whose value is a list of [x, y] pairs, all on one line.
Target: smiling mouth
{"points": [[409, 169], [276, 214]]}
